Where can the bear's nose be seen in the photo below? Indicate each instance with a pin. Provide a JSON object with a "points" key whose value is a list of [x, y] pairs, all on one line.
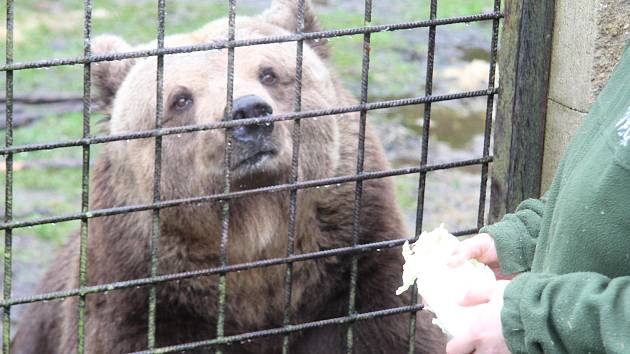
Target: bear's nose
{"points": [[251, 106]]}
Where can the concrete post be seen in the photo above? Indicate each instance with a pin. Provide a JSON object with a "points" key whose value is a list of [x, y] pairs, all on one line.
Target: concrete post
{"points": [[589, 37]]}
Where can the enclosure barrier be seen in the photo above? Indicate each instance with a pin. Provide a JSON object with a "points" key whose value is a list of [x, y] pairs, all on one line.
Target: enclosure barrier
{"points": [[88, 139]]}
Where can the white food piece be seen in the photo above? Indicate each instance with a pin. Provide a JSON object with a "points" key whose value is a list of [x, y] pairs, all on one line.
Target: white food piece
{"points": [[442, 286]]}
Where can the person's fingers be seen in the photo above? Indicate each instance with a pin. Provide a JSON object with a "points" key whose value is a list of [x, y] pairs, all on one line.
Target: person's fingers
{"points": [[460, 345], [477, 247], [466, 250], [501, 276], [457, 258], [484, 293], [478, 295]]}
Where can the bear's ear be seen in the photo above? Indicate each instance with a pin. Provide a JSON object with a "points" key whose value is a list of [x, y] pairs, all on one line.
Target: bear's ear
{"points": [[284, 13], [108, 75]]}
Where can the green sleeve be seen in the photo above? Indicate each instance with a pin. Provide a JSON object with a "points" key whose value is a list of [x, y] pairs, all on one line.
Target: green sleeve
{"points": [[570, 313], [515, 236]]}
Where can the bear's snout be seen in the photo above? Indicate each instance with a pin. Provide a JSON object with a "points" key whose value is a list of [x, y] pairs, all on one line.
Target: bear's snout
{"points": [[252, 143], [251, 106]]}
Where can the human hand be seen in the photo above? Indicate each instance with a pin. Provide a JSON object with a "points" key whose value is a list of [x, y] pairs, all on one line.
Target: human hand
{"points": [[482, 248], [485, 335]]}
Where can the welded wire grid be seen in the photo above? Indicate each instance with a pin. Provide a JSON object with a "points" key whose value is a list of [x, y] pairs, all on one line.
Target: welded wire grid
{"points": [[293, 178], [8, 190], [225, 198], [225, 224], [356, 210], [85, 174], [157, 173], [424, 152]]}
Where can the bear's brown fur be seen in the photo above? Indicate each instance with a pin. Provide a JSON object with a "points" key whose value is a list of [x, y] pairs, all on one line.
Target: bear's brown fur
{"points": [[192, 165]]}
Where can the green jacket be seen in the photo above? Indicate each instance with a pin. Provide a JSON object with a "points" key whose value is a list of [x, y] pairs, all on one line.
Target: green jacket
{"points": [[573, 245]]}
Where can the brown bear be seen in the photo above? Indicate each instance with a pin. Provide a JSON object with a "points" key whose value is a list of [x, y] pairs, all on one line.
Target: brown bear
{"points": [[193, 165]]}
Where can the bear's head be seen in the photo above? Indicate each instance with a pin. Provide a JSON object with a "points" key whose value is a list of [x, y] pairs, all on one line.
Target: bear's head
{"points": [[195, 92]]}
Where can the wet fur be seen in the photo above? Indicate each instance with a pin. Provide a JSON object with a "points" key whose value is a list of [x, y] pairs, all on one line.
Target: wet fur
{"points": [[118, 250]]}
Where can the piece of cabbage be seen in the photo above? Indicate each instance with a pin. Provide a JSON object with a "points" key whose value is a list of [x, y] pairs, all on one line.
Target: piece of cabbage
{"points": [[442, 286]]}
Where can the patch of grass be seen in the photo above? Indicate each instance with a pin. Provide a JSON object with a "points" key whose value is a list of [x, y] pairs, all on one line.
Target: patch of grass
{"points": [[453, 8], [420, 10], [54, 29], [40, 191], [45, 30], [405, 184]]}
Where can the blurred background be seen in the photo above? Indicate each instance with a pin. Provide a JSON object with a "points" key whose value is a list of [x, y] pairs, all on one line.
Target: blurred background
{"points": [[48, 183]]}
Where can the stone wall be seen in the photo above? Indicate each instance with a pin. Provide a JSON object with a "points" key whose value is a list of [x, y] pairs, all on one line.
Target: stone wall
{"points": [[589, 37]]}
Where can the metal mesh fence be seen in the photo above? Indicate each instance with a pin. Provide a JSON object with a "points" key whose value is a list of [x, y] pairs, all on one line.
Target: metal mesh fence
{"points": [[228, 195]]}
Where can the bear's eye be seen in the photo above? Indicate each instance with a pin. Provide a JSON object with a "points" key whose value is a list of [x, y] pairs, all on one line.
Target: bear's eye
{"points": [[268, 77], [182, 103]]}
